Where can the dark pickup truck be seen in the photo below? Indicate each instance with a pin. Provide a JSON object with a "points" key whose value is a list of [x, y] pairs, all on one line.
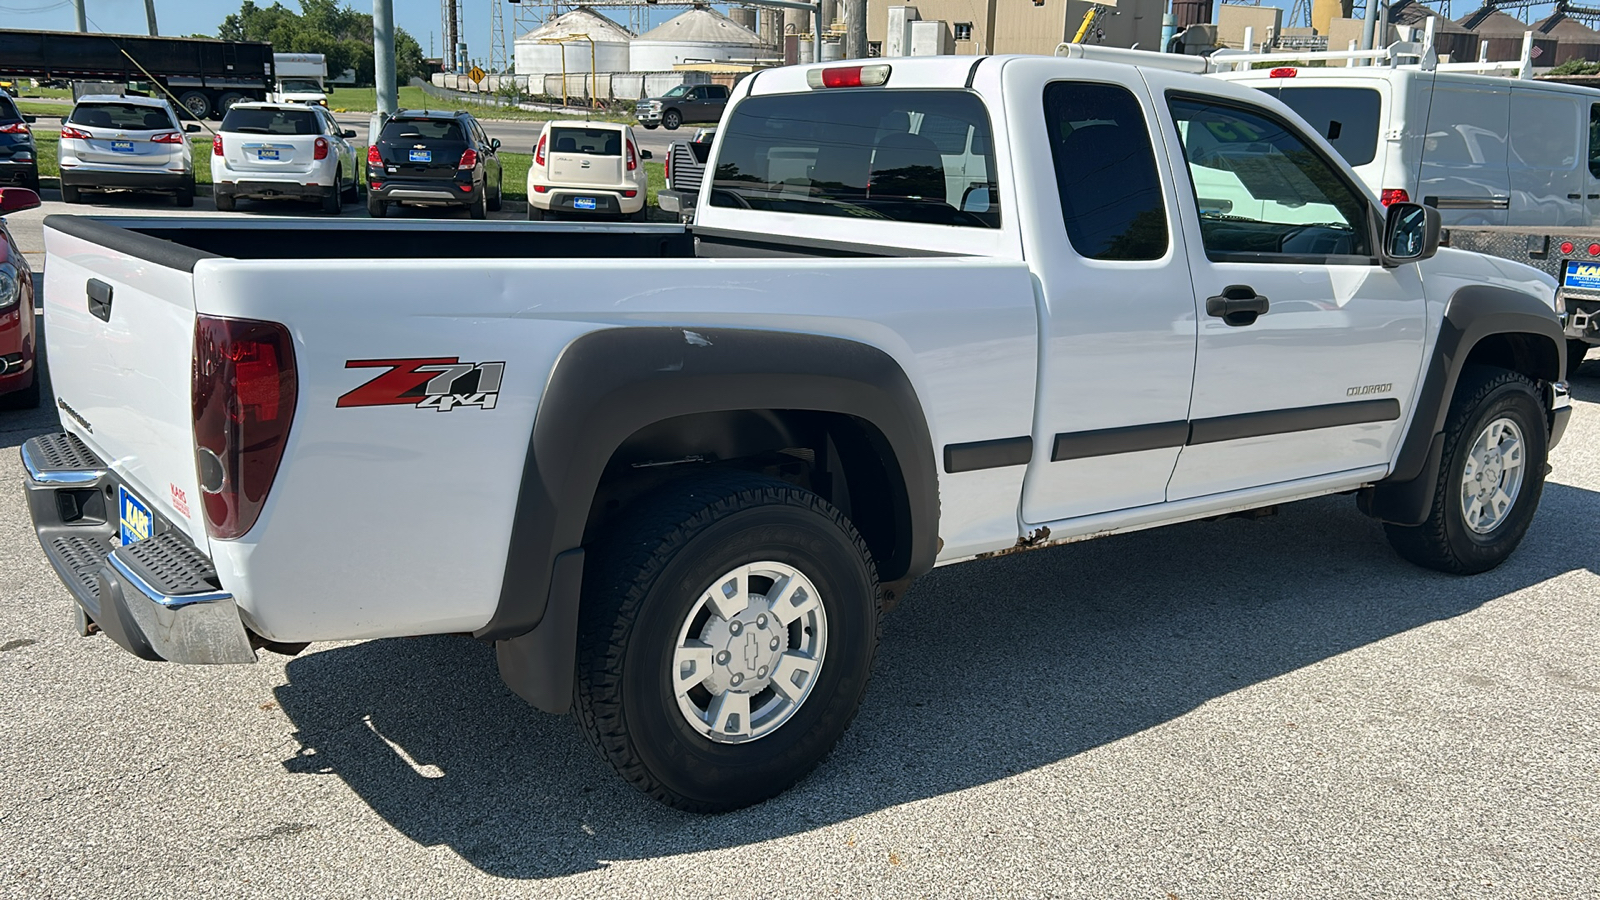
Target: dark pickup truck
{"points": [[689, 103], [685, 170]]}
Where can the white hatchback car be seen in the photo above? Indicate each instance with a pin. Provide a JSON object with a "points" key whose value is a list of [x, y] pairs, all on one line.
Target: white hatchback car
{"points": [[283, 150], [587, 169], [125, 143]]}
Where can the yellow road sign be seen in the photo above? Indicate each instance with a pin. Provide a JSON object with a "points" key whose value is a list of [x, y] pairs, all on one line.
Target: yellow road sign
{"points": [[477, 75]]}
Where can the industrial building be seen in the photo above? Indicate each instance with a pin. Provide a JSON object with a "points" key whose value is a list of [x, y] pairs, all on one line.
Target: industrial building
{"points": [[701, 35], [972, 27]]}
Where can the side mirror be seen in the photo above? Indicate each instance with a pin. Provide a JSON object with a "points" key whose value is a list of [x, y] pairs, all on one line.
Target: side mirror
{"points": [[646, 154], [191, 128], [494, 143], [14, 199], [1410, 234], [348, 133]]}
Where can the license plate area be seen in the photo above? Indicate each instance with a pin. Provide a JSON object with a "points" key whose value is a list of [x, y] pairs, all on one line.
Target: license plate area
{"points": [[122, 146], [134, 520], [1581, 275], [267, 154], [421, 156], [583, 203]]}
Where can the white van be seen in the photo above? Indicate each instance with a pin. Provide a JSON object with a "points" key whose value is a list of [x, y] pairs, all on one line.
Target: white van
{"points": [[1483, 149]]}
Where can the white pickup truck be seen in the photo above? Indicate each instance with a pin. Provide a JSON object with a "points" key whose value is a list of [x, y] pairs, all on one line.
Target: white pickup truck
{"points": [[929, 310]]}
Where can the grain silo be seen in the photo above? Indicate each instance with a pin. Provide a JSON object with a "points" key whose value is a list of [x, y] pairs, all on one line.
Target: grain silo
{"points": [[699, 35], [538, 52], [1574, 40]]}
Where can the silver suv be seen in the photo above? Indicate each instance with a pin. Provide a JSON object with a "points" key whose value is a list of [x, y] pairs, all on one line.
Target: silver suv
{"points": [[125, 143]]}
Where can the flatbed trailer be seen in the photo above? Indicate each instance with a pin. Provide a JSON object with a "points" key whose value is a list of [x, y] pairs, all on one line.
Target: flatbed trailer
{"points": [[1569, 255]]}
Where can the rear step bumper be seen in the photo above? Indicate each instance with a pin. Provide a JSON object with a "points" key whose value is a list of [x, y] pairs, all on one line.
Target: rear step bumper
{"points": [[157, 598]]}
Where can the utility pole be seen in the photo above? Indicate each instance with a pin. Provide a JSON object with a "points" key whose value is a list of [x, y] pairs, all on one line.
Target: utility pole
{"points": [[855, 30], [1370, 25], [83, 18], [383, 56], [150, 16]]}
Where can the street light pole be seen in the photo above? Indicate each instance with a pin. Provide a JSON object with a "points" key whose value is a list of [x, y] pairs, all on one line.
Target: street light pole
{"points": [[383, 57], [83, 18], [150, 16]]}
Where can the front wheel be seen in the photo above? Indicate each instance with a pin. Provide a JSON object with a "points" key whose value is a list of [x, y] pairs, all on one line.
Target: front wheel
{"points": [[224, 201], [727, 632], [672, 119], [1490, 479], [1575, 352]]}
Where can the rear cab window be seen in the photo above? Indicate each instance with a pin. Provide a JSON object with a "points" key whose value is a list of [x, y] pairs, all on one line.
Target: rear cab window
{"points": [[288, 122], [1348, 117], [422, 129], [8, 110], [924, 156], [588, 141], [124, 116]]}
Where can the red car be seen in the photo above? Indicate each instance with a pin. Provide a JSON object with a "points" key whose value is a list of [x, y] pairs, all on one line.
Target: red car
{"points": [[19, 378]]}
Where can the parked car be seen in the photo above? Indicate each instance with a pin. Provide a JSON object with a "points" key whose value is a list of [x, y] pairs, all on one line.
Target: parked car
{"points": [[433, 159], [111, 143], [931, 309], [684, 103], [268, 151], [588, 169], [19, 160], [685, 169], [19, 376]]}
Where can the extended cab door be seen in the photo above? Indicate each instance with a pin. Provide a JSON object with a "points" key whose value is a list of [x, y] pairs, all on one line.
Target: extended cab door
{"points": [[1116, 308], [1308, 349]]}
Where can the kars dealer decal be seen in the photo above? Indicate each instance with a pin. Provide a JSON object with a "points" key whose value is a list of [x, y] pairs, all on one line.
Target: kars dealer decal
{"points": [[438, 383]]}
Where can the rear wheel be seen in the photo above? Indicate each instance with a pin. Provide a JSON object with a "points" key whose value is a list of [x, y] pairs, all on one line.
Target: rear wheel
{"points": [[376, 207], [227, 100], [31, 182], [332, 204], [479, 207], [496, 201], [727, 632], [225, 201], [1575, 352], [196, 102], [672, 119], [183, 198], [535, 214], [1490, 479]]}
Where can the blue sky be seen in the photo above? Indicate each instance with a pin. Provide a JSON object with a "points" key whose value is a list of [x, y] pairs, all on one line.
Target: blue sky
{"points": [[420, 17]]}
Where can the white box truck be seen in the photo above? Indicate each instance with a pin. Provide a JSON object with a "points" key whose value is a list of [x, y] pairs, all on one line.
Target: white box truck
{"points": [[301, 78]]}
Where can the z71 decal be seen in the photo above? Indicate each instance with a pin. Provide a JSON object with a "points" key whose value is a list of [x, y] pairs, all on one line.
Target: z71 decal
{"points": [[440, 383]]}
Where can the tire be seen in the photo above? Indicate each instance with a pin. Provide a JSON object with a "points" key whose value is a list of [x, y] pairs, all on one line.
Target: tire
{"points": [[350, 194], [32, 182], [1486, 398], [496, 201], [648, 583], [376, 207], [70, 194], [479, 207], [671, 119], [183, 198], [226, 102], [196, 103], [642, 215], [1575, 352], [535, 214], [29, 397], [332, 202], [225, 202]]}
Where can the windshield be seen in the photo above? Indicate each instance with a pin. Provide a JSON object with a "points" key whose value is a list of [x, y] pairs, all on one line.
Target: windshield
{"points": [[1346, 116], [126, 116], [422, 129], [270, 121], [678, 91], [907, 156], [300, 86]]}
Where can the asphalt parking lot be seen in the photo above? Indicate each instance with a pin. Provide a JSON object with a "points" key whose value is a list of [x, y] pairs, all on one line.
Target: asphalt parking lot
{"points": [[1276, 708]]}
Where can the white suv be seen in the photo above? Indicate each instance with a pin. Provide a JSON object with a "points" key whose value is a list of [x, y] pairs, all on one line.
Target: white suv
{"points": [[283, 150], [587, 169], [125, 143]]}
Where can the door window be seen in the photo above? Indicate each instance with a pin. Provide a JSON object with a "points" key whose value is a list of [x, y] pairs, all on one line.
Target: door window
{"points": [[1265, 194], [1594, 140], [1111, 199]]}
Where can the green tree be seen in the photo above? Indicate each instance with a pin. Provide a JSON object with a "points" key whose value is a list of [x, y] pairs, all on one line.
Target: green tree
{"points": [[329, 27]]}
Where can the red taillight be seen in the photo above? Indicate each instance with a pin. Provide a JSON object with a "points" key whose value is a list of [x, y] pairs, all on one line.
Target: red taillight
{"points": [[320, 149], [15, 128], [376, 186], [216, 145], [538, 152], [67, 131], [848, 76], [242, 391], [630, 194], [1394, 195], [469, 159], [1594, 249], [1566, 246], [1283, 72], [541, 188], [633, 157], [167, 137], [374, 158], [666, 168]]}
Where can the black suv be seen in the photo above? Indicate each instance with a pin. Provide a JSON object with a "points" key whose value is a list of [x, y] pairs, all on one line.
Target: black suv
{"points": [[19, 160], [433, 158]]}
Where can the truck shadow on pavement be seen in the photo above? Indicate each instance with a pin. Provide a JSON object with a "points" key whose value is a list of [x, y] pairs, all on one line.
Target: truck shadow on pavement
{"points": [[988, 669]]}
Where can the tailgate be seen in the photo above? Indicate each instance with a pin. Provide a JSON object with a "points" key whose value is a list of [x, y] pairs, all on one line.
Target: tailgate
{"points": [[121, 369], [269, 153]]}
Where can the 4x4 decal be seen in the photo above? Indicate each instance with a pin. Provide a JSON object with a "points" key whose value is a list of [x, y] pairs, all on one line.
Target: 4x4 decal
{"points": [[438, 383]]}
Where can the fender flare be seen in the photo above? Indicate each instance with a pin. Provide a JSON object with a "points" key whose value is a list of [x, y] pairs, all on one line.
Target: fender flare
{"points": [[1474, 312], [608, 385]]}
